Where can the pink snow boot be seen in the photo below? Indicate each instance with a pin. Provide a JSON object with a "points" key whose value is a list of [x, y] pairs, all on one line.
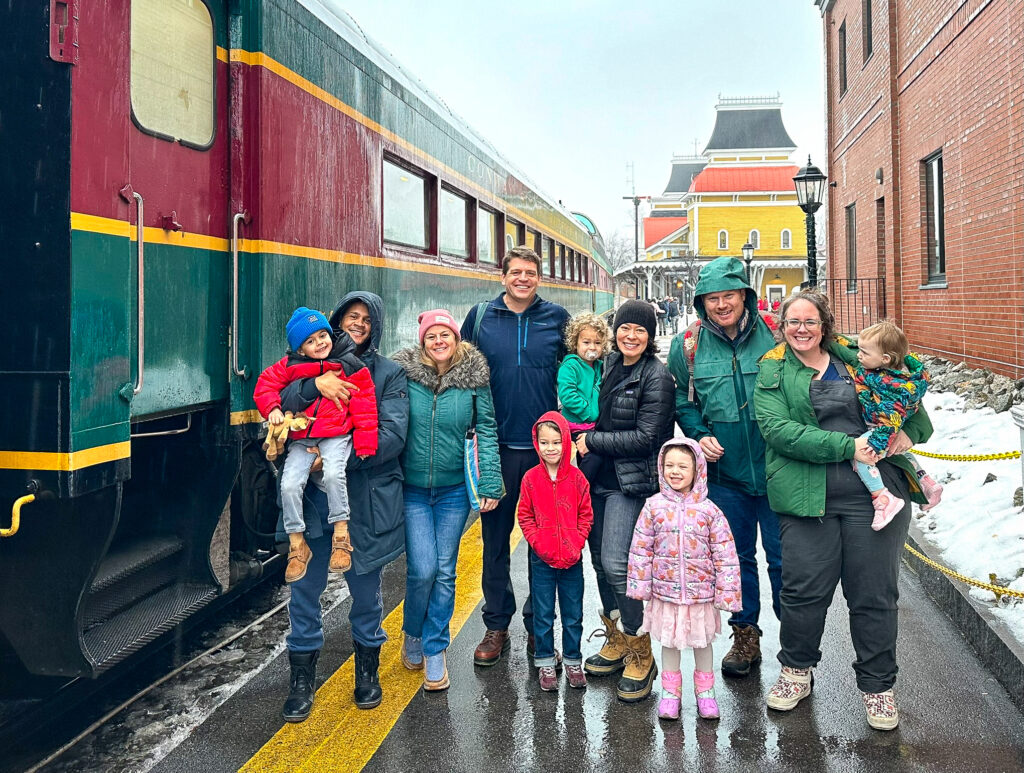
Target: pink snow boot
{"points": [[886, 508], [932, 490], [671, 689], [704, 688]]}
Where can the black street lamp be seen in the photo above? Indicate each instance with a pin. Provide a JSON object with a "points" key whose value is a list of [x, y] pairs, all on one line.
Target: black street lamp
{"points": [[748, 258], [810, 191]]}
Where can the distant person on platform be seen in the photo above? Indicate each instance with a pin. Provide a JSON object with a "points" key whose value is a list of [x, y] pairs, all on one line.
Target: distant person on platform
{"points": [[673, 315], [661, 309], [714, 362], [521, 335]]}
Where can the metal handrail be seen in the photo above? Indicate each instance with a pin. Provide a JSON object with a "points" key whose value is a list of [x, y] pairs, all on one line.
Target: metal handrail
{"points": [[16, 515], [140, 219], [242, 372]]}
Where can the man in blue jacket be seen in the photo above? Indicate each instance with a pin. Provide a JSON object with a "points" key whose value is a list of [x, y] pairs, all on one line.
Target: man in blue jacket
{"points": [[521, 335], [377, 527]]}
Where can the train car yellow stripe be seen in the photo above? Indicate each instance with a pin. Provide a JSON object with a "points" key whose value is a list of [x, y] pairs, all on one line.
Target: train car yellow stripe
{"points": [[111, 227], [63, 462], [338, 736], [245, 417], [258, 58]]}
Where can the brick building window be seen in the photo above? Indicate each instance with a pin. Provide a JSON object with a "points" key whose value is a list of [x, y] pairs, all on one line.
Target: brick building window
{"points": [[934, 217], [866, 24], [842, 59], [851, 248]]}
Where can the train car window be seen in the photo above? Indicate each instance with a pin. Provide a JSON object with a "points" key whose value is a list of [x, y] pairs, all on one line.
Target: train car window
{"points": [[570, 256], [172, 69], [515, 233], [534, 242], [454, 224], [405, 206], [560, 262], [547, 256], [486, 236]]}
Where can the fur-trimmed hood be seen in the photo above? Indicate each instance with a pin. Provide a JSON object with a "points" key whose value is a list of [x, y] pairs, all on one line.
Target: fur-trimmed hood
{"points": [[468, 373]]}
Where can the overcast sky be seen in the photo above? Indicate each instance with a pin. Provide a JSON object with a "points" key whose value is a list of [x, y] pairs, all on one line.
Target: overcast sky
{"points": [[571, 92]]}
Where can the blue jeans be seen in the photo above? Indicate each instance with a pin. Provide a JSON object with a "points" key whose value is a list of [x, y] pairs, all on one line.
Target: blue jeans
{"points": [[366, 614], [434, 521], [568, 583], [335, 452], [745, 514], [615, 516]]}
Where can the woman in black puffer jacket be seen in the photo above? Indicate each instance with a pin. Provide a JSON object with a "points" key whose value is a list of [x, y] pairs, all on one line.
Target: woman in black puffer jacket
{"points": [[635, 416]]}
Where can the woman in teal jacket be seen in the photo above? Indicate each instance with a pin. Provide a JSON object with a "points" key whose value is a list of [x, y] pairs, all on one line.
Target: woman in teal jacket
{"points": [[807, 407], [448, 379]]}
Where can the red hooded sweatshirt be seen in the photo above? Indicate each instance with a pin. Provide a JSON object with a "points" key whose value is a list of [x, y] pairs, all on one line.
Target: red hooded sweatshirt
{"points": [[556, 515]]}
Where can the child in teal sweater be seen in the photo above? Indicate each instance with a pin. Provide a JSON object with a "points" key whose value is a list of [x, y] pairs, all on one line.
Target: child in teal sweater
{"points": [[579, 378]]}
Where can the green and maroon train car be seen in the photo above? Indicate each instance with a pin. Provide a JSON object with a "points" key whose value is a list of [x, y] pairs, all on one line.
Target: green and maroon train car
{"points": [[178, 175]]}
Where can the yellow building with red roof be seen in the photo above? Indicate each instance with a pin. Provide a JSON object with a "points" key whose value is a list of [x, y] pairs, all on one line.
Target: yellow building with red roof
{"points": [[739, 190]]}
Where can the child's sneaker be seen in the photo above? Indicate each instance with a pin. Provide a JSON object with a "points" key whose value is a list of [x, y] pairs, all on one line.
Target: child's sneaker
{"points": [[548, 678], [704, 689], [793, 685], [932, 490], [886, 508], [671, 687], [298, 557], [341, 552], [577, 678]]}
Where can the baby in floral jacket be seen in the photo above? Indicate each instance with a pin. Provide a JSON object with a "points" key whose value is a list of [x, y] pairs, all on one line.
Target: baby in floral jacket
{"points": [[683, 563]]}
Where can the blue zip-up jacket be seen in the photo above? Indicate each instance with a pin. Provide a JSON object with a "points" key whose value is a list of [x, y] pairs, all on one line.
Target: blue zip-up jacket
{"points": [[523, 352]]}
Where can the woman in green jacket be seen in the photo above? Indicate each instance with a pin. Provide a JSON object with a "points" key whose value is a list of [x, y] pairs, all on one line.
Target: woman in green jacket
{"points": [[448, 381], [807, 408]]}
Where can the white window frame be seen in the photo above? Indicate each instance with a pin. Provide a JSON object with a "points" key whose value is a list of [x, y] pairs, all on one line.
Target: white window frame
{"points": [[720, 246], [782, 239], [754, 238]]}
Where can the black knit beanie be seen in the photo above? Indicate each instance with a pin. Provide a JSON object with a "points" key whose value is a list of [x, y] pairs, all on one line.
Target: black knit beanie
{"points": [[636, 313]]}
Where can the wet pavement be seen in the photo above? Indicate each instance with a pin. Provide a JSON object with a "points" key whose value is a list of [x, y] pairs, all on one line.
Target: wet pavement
{"points": [[954, 715]]}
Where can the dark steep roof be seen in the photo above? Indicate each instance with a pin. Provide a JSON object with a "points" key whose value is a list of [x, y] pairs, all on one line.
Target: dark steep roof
{"points": [[682, 175], [749, 129]]}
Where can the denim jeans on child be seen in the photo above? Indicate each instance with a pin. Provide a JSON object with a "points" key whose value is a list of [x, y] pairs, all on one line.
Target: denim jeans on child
{"points": [[545, 582], [748, 514], [434, 521], [335, 452]]}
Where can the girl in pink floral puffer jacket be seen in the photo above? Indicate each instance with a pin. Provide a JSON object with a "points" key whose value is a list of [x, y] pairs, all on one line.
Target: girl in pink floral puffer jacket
{"points": [[683, 563]]}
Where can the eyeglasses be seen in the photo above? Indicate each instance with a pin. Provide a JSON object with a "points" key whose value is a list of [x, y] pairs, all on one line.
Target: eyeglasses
{"points": [[794, 324]]}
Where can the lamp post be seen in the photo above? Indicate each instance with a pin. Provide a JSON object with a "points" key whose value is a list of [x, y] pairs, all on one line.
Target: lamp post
{"points": [[748, 258], [636, 238], [810, 191]]}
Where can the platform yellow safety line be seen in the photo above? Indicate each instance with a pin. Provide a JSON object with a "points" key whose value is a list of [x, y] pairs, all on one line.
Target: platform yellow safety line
{"points": [[338, 736]]}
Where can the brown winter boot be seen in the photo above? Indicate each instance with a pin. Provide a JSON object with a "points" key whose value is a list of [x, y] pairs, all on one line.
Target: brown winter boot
{"points": [[745, 652], [298, 556], [638, 676], [341, 549], [609, 659]]}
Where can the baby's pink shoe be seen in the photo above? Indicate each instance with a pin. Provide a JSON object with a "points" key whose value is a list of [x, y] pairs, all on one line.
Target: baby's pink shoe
{"points": [[932, 490], [886, 508], [704, 689], [671, 688]]}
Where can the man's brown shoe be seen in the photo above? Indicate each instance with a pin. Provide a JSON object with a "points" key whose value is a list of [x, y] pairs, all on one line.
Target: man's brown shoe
{"points": [[745, 652], [298, 557], [488, 652]]}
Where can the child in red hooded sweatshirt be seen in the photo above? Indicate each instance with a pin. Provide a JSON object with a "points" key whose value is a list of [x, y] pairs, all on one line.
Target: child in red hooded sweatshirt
{"points": [[555, 515]]}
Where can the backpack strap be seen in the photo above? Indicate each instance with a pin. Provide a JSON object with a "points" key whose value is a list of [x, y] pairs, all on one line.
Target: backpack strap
{"points": [[481, 309]]}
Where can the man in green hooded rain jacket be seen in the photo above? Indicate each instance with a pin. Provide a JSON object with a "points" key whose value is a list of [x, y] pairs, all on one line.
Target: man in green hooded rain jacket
{"points": [[714, 362]]}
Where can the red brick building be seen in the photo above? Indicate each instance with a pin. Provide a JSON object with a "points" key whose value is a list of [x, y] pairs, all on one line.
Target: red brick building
{"points": [[925, 138]]}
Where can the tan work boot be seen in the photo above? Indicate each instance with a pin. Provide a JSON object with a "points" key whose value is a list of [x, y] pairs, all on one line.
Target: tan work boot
{"points": [[609, 659], [298, 556], [341, 549], [638, 675], [745, 652]]}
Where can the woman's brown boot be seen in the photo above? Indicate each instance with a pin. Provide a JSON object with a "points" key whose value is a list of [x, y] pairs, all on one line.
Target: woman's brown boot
{"points": [[609, 659]]}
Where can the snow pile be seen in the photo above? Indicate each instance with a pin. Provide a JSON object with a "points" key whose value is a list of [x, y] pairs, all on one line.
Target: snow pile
{"points": [[976, 529]]}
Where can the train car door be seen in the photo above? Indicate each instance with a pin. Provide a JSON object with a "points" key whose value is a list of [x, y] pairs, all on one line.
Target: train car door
{"points": [[178, 193]]}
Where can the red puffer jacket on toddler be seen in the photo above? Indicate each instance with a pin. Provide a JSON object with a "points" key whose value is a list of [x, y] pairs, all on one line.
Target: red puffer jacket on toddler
{"points": [[556, 515], [358, 417]]}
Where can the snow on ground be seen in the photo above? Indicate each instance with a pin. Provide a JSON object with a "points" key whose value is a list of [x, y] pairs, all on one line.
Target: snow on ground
{"points": [[976, 530]]}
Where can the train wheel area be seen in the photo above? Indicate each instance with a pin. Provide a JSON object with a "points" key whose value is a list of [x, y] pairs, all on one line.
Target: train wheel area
{"points": [[954, 715]]}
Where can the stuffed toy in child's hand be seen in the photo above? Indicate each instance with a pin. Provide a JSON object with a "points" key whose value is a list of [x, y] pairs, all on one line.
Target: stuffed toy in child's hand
{"points": [[277, 434]]}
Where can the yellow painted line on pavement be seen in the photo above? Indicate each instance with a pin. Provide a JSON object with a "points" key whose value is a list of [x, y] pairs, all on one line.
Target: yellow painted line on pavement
{"points": [[338, 736]]}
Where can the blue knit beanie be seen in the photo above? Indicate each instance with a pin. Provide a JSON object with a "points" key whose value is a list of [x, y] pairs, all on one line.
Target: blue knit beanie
{"points": [[303, 324]]}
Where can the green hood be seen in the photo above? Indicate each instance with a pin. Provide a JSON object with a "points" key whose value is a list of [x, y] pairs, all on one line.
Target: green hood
{"points": [[719, 275]]}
